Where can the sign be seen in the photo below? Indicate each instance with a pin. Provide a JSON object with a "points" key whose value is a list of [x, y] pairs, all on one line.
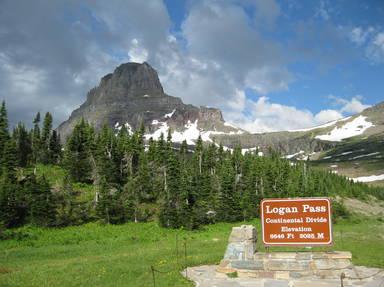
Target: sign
{"points": [[300, 221]]}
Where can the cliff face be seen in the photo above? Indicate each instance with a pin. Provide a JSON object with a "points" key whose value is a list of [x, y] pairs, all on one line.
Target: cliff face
{"points": [[132, 95]]}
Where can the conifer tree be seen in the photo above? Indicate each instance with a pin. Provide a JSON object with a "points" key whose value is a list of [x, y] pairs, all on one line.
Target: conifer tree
{"points": [[12, 212], [4, 133], [66, 204], [41, 202], [45, 139], [23, 144], [36, 139], [229, 202], [106, 155], [54, 155], [109, 206], [170, 208], [78, 153]]}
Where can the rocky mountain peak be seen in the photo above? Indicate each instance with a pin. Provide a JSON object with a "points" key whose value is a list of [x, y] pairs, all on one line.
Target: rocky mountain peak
{"points": [[133, 95], [128, 80]]}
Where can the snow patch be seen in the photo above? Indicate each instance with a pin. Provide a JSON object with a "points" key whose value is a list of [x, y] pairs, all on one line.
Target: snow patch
{"points": [[146, 96], [169, 115], [364, 155], [190, 134], [356, 127], [252, 149], [230, 125], [321, 126], [369, 178], [128, 127], [293, 155], [345, 153]]}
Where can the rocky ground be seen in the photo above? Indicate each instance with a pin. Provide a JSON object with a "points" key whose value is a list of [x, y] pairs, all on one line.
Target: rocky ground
{"points": [[206, 276]]}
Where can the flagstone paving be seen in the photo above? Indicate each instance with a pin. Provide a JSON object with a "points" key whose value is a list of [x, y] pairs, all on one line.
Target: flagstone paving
{"points": [[206, 276]]}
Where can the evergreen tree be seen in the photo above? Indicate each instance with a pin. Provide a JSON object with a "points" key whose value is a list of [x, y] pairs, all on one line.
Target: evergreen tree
{"points": [[229, 202], [109, 207], [78, 153], [12, 211], [170, 208], [4, 133], [41, 202], [66, 206], [107, 156], [23, 144], [45, 139], [54, 155], [36, 139]]}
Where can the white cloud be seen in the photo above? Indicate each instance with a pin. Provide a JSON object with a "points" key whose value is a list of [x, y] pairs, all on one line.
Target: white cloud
{"points": [[375, 49], [323, 11], [263, 115], [220, 52], [359, 36], [268, 79], [351, 106], [137, 53], [325, 116], [371, 40]]}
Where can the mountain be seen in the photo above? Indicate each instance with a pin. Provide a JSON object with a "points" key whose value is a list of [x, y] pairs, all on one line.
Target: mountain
{"points": [[133, 95]]}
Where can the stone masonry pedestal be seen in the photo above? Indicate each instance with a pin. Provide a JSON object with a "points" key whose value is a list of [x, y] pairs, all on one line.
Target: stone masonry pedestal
{"points": [[241, 257]]}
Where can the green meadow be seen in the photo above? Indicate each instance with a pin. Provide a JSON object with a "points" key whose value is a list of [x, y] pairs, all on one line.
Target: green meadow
{"points": [[122, 255]]}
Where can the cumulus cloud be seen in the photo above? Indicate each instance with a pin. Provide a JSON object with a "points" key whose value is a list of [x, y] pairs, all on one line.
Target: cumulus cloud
{"points": [[219, 52], [375, 49], [372, 42], [263, 115], [50, 65], [351, 106], [328, 115], [359, 35]]}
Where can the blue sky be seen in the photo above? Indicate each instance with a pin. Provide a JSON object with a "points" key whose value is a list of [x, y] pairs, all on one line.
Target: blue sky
{"points": [[268, 64]]}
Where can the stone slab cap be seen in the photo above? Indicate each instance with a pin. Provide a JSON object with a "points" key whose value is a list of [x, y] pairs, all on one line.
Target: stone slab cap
{"points": [[243, 233]]}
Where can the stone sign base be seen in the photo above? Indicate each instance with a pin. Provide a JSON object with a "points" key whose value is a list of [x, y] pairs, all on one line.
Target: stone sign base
{"points": [[242, 257], [290, 265]]}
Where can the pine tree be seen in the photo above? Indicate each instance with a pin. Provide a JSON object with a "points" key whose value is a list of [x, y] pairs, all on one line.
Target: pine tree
{"points": [[170, 208], [45, 138], [23, 144], [54, 155], [229, 202], [36, 139], [109, 207], [78, 153], [131, 201], [66, 204], [4, 133], [41, 202], [106, 155], [12, 211]]}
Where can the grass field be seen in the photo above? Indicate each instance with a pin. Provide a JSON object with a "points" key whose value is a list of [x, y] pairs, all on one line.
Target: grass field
{"points": [[121, 255]]}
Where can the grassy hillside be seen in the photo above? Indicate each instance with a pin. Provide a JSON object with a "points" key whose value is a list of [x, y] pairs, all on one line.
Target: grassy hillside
{"points": [[121, 255]]}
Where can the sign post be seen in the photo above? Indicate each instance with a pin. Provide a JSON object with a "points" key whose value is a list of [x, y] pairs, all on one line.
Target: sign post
{"points": [[296, 222]]}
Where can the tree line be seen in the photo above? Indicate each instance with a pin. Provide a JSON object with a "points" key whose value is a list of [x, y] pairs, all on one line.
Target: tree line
{"points": [[124, 177]]}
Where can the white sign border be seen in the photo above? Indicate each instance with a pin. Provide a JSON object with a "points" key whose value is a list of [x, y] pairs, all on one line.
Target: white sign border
{"points": [[330, 242]]}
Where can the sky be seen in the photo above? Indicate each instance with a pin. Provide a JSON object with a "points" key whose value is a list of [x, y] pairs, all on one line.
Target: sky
{"points": [[269, 65]]}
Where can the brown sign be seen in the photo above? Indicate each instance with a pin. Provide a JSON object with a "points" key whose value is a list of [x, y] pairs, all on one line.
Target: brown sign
{"points": [[300, 221]]}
